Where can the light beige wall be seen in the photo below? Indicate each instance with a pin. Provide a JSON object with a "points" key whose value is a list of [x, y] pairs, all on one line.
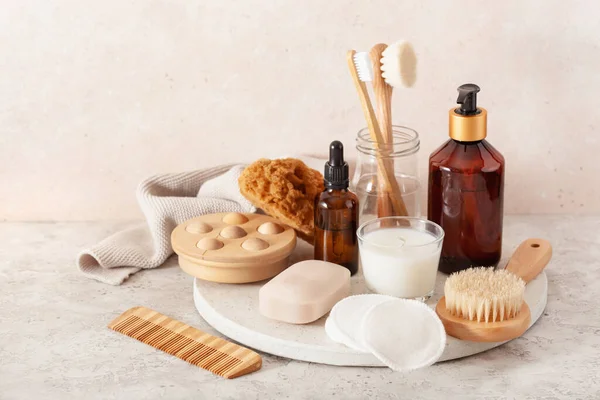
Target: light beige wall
{"points": [[96, 95]]}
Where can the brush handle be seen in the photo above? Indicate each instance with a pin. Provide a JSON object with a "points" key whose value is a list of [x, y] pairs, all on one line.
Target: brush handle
{"points": [[383, 102], [399, 208], [530, 258], [383, 95]]}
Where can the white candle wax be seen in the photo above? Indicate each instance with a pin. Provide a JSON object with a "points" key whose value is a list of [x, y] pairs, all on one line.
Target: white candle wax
{"points": [[400, 262]]}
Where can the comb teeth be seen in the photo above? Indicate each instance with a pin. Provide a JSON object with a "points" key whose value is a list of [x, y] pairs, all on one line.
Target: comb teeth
{"points": [[189, 344], [484, 295], [363, 65]]}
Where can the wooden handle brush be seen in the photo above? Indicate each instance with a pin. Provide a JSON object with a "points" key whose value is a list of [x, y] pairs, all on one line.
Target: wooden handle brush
{"points": [[486, 305], [386, 173], [383, 101]]}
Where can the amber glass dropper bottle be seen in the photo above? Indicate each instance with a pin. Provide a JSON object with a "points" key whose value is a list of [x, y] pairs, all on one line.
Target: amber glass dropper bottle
{"points": [[336, 214]]}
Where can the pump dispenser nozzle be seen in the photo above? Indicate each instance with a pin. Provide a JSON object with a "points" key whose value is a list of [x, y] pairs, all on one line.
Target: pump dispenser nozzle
{"points": [[468, 123], [467, 98], [336, 169]]}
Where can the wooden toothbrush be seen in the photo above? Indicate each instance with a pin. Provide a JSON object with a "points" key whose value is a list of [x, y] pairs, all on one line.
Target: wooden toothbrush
{"points": [[387, 174], [383, 94], [383, 101]]}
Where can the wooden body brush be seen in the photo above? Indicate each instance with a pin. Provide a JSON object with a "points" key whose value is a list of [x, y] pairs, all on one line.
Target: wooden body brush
{"points": [[486, 305]]}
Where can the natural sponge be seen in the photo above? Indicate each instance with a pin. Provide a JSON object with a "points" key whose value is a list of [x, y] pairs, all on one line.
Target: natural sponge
{"points": [[285, 189]]}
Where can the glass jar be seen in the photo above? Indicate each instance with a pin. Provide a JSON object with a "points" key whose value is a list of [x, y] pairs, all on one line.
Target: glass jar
{"points": [[401, 156]]}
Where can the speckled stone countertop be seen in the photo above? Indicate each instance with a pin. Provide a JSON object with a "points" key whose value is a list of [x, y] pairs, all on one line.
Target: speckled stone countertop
{"points": [[54, 343]]}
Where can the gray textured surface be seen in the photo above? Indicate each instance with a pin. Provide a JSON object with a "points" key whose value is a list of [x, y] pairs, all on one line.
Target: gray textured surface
{"points": [[54, 342]]}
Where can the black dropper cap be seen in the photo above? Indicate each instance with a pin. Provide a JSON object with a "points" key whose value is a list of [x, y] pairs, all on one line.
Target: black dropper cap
{"points": [[467, 98], [336, 169]]}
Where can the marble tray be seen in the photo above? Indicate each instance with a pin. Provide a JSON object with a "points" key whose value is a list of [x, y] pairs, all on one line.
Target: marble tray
{"points": [[232, 309]]}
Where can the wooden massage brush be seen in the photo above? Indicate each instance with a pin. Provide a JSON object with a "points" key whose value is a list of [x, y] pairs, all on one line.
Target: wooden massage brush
{"points": [[486, 305], [211, 353]]}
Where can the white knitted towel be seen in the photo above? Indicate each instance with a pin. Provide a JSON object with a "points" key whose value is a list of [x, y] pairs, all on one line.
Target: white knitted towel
{"points": [[166, 201]]}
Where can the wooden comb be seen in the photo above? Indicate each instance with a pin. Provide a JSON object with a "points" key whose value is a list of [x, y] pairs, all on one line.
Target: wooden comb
{"points": [[211, 353]]}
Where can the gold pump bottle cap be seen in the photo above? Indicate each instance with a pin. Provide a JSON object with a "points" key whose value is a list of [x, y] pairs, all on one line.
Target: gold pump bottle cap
{"points": [[468, 128]]}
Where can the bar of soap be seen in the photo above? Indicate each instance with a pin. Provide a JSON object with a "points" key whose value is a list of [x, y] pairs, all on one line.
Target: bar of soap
{"points": [[304, 292]]}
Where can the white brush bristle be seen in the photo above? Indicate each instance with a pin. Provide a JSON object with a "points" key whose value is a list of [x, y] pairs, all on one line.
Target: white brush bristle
{"points": [[399, 64], [483, 294], [364, 68]]}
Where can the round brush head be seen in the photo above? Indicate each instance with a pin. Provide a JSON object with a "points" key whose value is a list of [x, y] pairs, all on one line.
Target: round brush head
{"points": [[399, 64], [484, 294]]}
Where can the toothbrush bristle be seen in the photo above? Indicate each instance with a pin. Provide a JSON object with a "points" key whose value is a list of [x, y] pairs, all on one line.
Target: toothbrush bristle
{"points": [[364, 68]]}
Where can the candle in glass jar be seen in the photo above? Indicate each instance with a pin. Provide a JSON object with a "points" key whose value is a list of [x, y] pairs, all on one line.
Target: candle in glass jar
{"points": [[400, 262]]}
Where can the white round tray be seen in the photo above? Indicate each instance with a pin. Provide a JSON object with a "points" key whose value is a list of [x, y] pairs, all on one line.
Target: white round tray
{"points": [[232, 309]]}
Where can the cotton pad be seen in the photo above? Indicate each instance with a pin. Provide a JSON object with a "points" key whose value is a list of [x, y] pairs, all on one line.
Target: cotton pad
{"points": [[346, 317], [403, 334], [332, 331]]}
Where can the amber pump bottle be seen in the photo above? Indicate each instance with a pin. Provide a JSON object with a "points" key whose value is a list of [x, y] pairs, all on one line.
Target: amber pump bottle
{"points": [[466, 189], [336, 214]]}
